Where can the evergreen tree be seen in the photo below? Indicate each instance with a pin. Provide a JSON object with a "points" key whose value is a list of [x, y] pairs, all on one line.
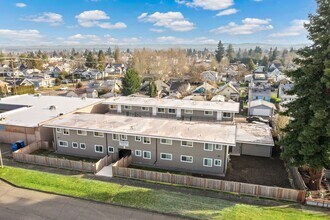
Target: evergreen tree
{"points": [[220, 52], [251, 65], [307, 139], [100, 60], [90, 61], [117, 55], [230, 53], [152, 89], [274, 55], [239, 54], [131, 82], [109, 52], [264, 62]]}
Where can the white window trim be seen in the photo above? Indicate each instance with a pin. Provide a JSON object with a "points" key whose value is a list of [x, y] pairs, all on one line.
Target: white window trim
{"points": [[138, 139], [215, 147], [220, 162], [189, 113], [168, 110], [147, 157], [144, 108], [208, 114], [123, 137], [183, 161], [206, 148], [138, 155], [58, 130], [223, 115], [66, 130], [192, 144], [160, 155], [67, 144], [98, 151], [207, 159], [161, 112], [82, 134], [74, 143], [129, 107], [97, 135], [143, 138], [113, 149], [113, 137], [81, 147], [166, 142]]}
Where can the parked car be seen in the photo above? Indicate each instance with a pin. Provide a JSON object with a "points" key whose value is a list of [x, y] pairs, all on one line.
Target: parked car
{"points": [[257, 119]]}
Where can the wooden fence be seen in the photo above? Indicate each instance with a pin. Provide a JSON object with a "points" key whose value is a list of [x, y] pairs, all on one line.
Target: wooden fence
{"points": [[213, 184], [297, 179], [123, 162], [24, 155]]}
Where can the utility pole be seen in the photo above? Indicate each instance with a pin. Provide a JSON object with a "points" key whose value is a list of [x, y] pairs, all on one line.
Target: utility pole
{"points": [[1, 162]]}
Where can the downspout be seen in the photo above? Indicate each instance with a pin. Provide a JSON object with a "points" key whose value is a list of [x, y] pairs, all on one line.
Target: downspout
{"points": [[55, 139], [156, 152], [106, 143]]}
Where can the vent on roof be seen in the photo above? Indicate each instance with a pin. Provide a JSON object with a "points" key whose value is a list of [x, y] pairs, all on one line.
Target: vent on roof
{"points": [[52, 107], [61, 113]]}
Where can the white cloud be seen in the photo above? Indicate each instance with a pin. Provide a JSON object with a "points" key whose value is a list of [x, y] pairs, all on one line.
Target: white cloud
{"points": [[207, 4], [81, 37], [229, 11], [295, 29], [97, 18], [176, 40], [174, 21], [20, 5], [248, 26], [157, 30], [53, 19], [21, 35]]}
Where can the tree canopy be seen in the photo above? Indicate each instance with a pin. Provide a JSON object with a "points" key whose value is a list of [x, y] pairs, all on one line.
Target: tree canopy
{"points": [[220, 52], [131, 82]]}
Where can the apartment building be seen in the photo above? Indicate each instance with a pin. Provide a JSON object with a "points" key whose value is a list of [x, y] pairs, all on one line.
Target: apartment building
{"points": [[195, 147], [173, 108]]}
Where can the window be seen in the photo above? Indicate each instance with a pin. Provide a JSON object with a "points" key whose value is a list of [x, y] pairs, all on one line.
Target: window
{"points": [[138, 153], [208, 147], [146, 140], [66, 132], [186, 159], [218, 147], [123, 137], [63, 143], [207, 162], [161, 110], [171, 111], [208, 112], [226, 115], [74, 145], [81, 132], [82, 146], [166, 141], [138, 138], [217, 162], [186, 143], [188, 111], [98, 134], [113, 107], [115, 137], [58, 130], [165, 156], [111, 150], [98, 148], [145, 109], [127, 107], [146, 154]]}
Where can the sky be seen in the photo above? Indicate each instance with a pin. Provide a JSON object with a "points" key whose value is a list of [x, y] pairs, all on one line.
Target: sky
{"points": [[118, 22]]}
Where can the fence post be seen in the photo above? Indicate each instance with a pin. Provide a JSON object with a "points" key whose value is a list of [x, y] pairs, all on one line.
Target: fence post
{"points": [[239, 189], [257, 191]]}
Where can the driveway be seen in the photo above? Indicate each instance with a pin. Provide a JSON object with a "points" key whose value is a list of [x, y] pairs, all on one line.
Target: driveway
{"points": [[16, 203]]}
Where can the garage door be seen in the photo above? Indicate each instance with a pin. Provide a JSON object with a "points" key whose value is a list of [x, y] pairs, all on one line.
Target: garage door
{"points": [[256, 150], [261, 112]]}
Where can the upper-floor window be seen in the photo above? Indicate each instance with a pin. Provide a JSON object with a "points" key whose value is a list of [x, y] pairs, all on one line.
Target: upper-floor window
{"points": [[111, 150], [146, 140], [171, 111], [98, 134], [115, 137], [127, 107], [123, 137], [98, 148], [145, 109], [63, 143], [66, 132], [166, 141], [226, 115], [208, 147], [186, 159], [217, 162], [186, 143], [218, 147], [138, 138], [74, 145], [161, 110], [147, 154], [207, 162], [58, 130], [165, 156], [81, 132], [208, 112]]}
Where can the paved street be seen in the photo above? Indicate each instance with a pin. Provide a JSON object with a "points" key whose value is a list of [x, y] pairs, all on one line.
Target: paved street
{"points": [[16, 203]]}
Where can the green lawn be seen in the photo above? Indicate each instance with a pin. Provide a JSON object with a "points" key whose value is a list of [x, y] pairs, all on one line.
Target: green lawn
{"points": [[154, 200]]}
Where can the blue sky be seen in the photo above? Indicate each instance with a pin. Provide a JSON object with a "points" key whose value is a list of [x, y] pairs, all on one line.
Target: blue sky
{"points": [[115, 22]]}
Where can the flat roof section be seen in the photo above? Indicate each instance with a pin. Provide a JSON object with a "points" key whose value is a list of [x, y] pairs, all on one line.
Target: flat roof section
{"points": [[149, 127], [251, 133], [36, 108], [174, 103]]}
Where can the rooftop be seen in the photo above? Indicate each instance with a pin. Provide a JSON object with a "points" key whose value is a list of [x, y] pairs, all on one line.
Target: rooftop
{"points": [[251, 133], [35, 109], [149, 127], [174, 103], [259, 102]]}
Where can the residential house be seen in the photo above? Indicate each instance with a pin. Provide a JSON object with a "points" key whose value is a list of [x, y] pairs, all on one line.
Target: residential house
{"points": [[92, 74], [259, 88], [261, 107], [210, 76], [41, 80], [115, 69], [218, 98], [204, 89], [229, 92], [179, 87], [283, 90]]}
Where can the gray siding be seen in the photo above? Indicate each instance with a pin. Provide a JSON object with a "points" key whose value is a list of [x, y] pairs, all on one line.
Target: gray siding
{"points": [[256, 150]]}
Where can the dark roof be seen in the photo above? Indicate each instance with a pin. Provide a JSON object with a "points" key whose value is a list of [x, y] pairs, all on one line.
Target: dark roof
{"points": [[177, 84]]}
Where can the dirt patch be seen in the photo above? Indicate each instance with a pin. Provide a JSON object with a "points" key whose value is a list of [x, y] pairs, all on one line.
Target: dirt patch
{"points": [[47, 153]]}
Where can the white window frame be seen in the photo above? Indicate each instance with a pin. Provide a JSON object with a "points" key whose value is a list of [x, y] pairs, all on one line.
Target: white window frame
{"points": [[113, 107], [207, 159], [167, 141], [138, 138], [100, 136], [58, 130], [189, 111], [127, 107], [84, 133], [144, 138], [115, 135], [144, 108], [147, 157], [184, 161], [66, 133], [223, 115], [216, 147], [138, 153], [161, 112], [172, 113], [67, 144], [207, 113], [123, 137], [83, 148], [216, 164], [192, 144], [167, 154], [205, 144], [111, 151], [98, 145], [73, 144]]}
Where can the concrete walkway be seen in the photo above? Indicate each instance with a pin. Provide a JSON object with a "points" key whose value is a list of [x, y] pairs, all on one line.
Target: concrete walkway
{"points": [[105, 171], [16, 203]]}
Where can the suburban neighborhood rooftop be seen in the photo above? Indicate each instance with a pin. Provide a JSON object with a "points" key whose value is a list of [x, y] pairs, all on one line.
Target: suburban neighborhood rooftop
{"points": [[149, 127], [31, 110], [254, 134], [174, 103]]}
